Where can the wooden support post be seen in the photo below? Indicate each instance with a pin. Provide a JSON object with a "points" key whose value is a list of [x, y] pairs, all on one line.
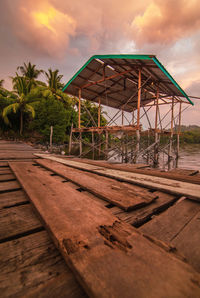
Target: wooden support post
{"points": [[156, 131], [133, 117], [79, 123], [126, 148], [148, 144], [178, 135], [171, 136], [106, 148], [122, 136], [138, 118], [93, 149], [99, 113], [79, 110], [80, 143], [51, 136], [70, 139], [99, 124], [99, 144], [139, 99]]}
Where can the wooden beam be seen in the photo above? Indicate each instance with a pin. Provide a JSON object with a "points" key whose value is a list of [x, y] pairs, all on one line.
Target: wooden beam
{"points": [[106, 79], [106, 128]]}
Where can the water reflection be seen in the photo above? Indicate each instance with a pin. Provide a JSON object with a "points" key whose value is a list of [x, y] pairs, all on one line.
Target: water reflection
{"points": [[189, 156]]}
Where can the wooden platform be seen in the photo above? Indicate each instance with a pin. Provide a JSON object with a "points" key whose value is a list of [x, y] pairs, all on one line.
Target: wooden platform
{"points": [[92, 230]]}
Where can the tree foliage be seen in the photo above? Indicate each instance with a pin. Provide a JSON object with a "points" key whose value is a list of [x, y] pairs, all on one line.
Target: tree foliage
{"points": [[50, 112], [22, 89], [35, 106]]}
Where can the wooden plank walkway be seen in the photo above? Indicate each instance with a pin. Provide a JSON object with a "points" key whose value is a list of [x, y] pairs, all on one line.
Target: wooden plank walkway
{"points": [[91, 240], [175, 187], [16, 151], [32, 266]]}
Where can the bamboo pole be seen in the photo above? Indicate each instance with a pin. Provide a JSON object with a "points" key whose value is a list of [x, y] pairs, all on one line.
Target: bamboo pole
{"points": [[79, 123], [171, 136], [138, 118], [106, 146], [156, 131], [70, 140], [51, 136], [93, 146], [178, 135], [99, 113]]}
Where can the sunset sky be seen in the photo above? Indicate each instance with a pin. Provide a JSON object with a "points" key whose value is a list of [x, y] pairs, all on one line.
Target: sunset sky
{"points": [[64, 34]]}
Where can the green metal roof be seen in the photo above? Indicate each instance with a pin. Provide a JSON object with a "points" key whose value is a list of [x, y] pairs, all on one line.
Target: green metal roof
{"points": [[148, 62]]}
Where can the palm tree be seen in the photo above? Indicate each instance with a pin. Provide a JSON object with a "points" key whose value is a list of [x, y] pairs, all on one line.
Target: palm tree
{"points": [[30, 72], [23, 99], [54, 80], [1, 83]]}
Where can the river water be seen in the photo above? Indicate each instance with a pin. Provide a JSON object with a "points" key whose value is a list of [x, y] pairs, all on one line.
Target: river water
{"points": [[190, 157]]}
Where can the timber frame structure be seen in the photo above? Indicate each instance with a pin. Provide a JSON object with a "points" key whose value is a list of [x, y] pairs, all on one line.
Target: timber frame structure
{"points": [[138, 87]]}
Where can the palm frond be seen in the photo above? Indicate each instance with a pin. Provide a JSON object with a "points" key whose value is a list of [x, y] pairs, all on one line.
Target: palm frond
{"points": [[30, 109], [7, 110]]}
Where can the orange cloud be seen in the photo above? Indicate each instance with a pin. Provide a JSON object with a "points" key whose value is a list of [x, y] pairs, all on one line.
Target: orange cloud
{"points": [[44, 27], [166, 21]]}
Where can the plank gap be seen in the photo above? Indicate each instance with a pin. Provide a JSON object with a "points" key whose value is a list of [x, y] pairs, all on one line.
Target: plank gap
{"points": [[8, 180], [109, 206], [20, 235], [10, 190], [17, 204], [80, 189], [158, 211]]}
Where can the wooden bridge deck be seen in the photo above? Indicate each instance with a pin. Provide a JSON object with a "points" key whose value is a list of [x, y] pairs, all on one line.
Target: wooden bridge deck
{"points": [[32, 266]]}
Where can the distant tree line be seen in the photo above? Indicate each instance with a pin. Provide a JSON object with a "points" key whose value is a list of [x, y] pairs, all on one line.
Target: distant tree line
{"points": [[190, 135], [33, 106]]}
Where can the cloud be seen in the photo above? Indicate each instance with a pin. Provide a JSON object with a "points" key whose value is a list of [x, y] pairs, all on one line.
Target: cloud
{"points": [[64, 34], [166, 21]]}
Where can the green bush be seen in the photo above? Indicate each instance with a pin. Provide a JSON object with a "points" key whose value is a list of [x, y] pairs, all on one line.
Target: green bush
{"points": [[50, 112]]}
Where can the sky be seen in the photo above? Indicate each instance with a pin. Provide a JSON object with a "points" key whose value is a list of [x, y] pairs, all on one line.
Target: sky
{"points": [[64, 34]]}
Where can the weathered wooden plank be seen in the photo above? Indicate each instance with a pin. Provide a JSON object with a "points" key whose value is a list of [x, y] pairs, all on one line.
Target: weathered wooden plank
{"points": [[3, 164], [110, 258], [179, 225], [140, 216], [18, 148], [5, 171], [188, 241], [15, 155], [32, 267], [17, 220], [7, 177], [168, 224], [9, 186], [14, 146], [124, 195], [171, 186], [175, 174], [13, 198]]}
